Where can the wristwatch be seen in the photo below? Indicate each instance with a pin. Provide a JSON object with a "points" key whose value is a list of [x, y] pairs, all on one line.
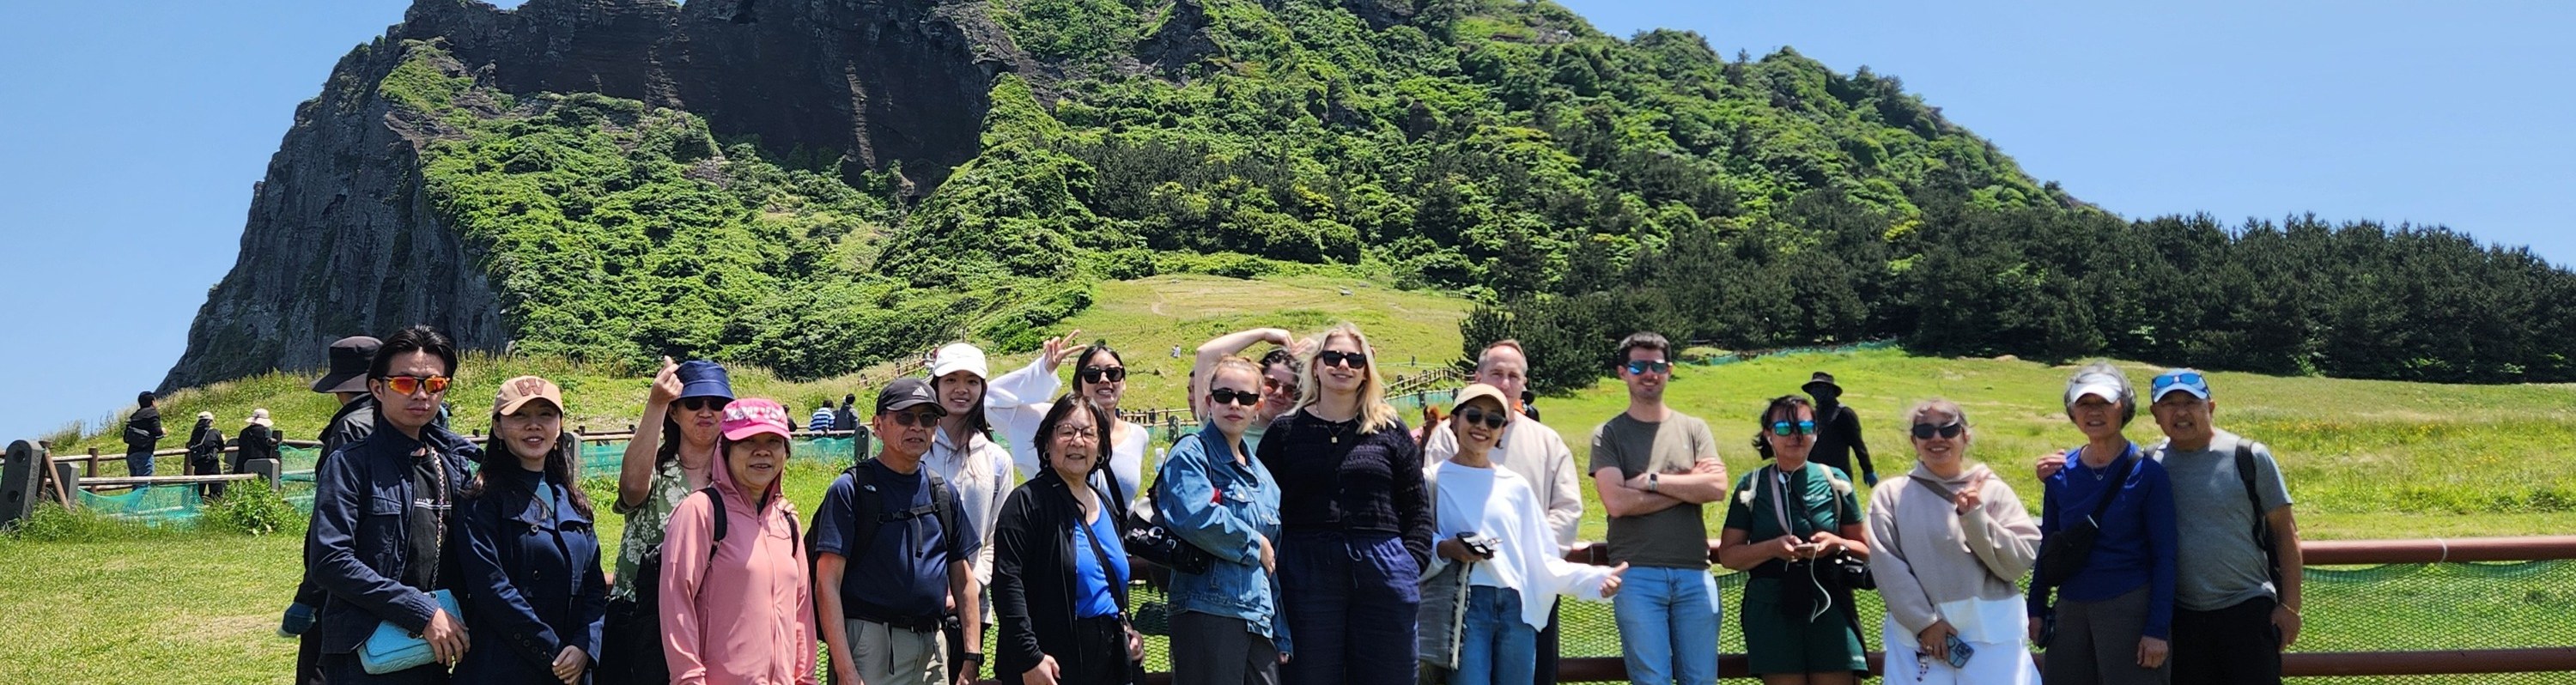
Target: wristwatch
{"points": [[1650, 481]]}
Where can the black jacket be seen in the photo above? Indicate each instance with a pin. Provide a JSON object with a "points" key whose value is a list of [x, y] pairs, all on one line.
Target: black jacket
{"points": [[349, 426], [143, 430], [255, 442], [1033, 576], [1838, 439]]}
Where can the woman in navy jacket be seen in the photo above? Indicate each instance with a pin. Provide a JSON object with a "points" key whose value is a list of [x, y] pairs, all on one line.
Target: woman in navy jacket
{"points": [[532, 585]]}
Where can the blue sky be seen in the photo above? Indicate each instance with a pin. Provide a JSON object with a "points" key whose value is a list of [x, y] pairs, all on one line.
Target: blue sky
{"points": [[134, 130]]}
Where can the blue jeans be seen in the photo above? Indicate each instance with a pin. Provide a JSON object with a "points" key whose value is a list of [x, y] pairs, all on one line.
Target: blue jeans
{"points": [[1353, 601], [138, 463], [1497, 647], [1667, 625]]}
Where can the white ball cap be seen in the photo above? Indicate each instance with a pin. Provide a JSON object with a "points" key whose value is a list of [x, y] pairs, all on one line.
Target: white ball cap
{"points": [[957, 357]]}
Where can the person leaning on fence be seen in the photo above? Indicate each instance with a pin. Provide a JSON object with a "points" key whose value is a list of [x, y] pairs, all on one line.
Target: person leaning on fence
{"points": [[962, 452], [1497, 556], [1948, 542], [1226, 626], [674, 452], [529, 556], [1539, 456], [143, 434], [383, 514], [846, 418], [347, 380], [1795, 526], [886, 580], [1654, 467], [1357, 521], [822, 419], [206, 454], [737, 607], [2113, 611], [1060, 578], [258, 440]]}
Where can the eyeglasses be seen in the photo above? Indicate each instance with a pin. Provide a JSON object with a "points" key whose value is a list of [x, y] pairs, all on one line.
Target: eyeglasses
{"points": [[703, 403], [913, 419], [1492, 419], [405, 385], [1793, 428], [1096, 374], [1639, 367], [1925, 431], [1344, 359], [1233, 396], [1073, 432]]}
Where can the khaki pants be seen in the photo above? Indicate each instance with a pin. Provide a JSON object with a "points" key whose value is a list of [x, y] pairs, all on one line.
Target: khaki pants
{"points": [[887, 655]]}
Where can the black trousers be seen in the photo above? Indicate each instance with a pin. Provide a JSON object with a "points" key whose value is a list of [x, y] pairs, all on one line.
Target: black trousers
{"points": [[1545, 674], [1100, 656], [2237, 645]]}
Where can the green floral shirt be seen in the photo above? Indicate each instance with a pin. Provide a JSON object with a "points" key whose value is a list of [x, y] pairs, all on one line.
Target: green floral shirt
{"points": [[644, 525]]}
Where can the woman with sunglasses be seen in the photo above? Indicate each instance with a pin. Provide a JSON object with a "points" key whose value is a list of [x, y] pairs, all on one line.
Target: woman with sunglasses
{"points": [[1214, 495], [1951, 541], [673, 453], [1060, 575], [1792, 525], [1357, 521], [1018, 398], [1496, 543], [531, 558]]}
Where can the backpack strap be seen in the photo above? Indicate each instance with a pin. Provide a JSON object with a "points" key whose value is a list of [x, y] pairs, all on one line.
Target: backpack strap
{"points": [[868, 508], [2262, 527], [715, 502]]}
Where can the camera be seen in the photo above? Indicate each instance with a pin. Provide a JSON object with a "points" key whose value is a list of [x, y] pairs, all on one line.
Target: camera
{"points": [[1481, 544]]}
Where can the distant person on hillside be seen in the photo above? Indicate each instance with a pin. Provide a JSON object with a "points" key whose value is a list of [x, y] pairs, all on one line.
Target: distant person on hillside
{"points": [[259, 440], [1654, 467], [675, 452], [1540, 457], [1278, 375], [822, 419], [142, 435], [382, 516], [1838, 434], [206, 454], [2111, 618], [347, 380], [845, 418], [2236, 584]]}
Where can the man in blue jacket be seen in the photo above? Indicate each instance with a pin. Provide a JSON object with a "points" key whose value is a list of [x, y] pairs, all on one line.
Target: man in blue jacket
{"points": [[382, 510]]}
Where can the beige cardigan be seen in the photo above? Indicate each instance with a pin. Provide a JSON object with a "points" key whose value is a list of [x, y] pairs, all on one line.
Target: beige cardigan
{"points": [[1924, 553]]}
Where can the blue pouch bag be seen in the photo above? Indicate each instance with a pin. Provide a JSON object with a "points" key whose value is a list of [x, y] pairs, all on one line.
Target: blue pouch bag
{"points": [[393, 649]]}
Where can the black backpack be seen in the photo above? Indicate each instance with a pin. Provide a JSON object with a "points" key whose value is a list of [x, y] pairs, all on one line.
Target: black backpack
{"points": [[862, 509]]}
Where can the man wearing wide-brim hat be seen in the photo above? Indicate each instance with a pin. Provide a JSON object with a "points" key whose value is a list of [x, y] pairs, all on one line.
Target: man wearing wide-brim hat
{"points": [[1838, 437], [346, 379]]}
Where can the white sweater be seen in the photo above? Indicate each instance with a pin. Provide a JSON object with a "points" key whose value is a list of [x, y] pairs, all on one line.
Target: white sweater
{"points": [[1499, 503]]}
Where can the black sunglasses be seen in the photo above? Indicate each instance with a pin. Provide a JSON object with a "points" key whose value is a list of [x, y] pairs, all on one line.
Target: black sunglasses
{"points": [[916, 418], [701, 403], [1494, 419], [1096, 374], [1233, 396], [1345, 359], [1641, 367], [1925, 431]]}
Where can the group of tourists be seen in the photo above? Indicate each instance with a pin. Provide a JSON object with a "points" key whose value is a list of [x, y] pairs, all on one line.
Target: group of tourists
{"points": [[1309, 536], [206, 445]]}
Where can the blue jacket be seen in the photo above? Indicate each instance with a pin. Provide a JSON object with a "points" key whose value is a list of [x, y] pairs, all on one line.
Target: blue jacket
{"points": [[360, 541], [531, 584], [1225, 508], [2136, 543]]}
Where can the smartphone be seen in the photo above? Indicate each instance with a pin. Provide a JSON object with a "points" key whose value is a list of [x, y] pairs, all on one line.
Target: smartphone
{"points": [[1959, 650]]}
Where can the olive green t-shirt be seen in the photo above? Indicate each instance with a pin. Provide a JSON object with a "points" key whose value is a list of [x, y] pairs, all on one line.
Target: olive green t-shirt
{"points": [[1676, 537]]}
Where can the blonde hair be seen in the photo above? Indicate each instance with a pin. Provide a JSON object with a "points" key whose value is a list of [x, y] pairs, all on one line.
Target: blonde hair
{"points": [[1374, 413], [1234, 362], [1935, 405]]}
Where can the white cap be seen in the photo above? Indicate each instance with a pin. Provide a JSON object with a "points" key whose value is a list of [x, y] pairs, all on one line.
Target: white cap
{"points": [[957, 357], [2110, 387]]}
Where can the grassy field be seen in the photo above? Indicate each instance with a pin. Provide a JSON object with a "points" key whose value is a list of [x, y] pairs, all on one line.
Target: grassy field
{"points": [[2365, 459]]}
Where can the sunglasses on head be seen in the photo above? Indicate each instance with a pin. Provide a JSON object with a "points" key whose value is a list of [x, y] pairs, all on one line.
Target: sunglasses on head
{"points": [[1491, 419], [703, 403], [1925, 431], [405, 385], [1793, 427], [1641, 367], [1345, 359], [1096, 374], [912, 419], [1233, 396]]}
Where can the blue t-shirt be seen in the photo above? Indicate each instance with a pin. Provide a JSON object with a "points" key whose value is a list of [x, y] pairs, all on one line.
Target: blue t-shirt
{"points": [[1091, 584], [903, 575]]}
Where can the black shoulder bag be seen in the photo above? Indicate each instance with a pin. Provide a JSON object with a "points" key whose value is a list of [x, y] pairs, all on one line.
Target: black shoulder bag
{"points": [[2061, 555], [1154, 542], [2262, 527]]}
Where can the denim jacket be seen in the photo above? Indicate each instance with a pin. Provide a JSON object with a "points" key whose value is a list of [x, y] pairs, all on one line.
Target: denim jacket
{"points": [[530, 585], [360, 542], [1224, 508]]}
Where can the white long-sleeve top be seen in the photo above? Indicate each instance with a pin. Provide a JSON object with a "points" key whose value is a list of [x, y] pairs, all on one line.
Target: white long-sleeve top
{"points": [[1539, 455], [980, 471], [1017, 401], [1499, 503]]}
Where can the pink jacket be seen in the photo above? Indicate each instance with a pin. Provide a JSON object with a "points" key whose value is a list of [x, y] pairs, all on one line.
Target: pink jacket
{"points": [[746, 616]]}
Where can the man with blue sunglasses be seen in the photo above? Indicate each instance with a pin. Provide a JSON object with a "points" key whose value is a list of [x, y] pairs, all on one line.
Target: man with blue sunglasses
{"points": [[1654, 467]]}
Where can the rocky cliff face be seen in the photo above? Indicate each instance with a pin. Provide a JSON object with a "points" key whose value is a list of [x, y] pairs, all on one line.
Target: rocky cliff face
{"points": [[340, 240]]}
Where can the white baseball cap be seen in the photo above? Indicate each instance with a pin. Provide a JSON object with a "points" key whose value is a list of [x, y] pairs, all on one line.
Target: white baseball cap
{"points": [[956, 357]]}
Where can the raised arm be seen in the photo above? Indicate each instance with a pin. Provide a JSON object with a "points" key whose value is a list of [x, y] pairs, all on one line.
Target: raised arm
{"points": [[1211, 351], [635, 471]]}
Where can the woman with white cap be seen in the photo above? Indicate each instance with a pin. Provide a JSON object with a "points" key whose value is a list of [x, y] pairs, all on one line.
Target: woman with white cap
{"points": [[2113, 613], [258, 440], [206, 454], [531, 562], [963, 453]]}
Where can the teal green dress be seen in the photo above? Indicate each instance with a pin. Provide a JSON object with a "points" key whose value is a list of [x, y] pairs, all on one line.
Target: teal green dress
{"points": [[1790, 626]]}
